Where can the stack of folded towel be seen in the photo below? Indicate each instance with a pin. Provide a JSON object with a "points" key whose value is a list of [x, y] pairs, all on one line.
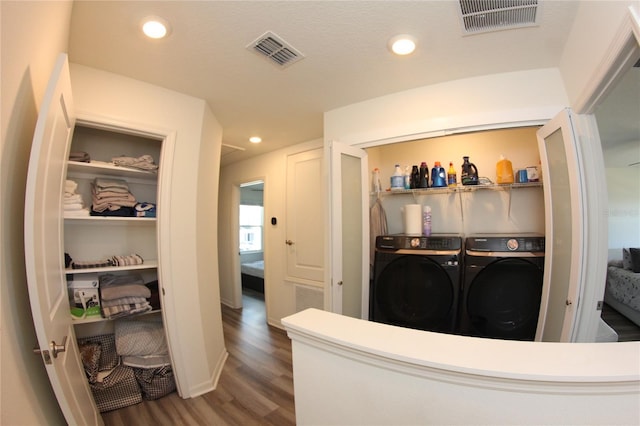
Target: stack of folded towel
{"points": [[111, 197], [144, 162], [79, 156], [122, 295], [73, 205]]}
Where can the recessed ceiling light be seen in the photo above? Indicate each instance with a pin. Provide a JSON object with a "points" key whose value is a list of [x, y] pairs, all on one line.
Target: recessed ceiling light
{"points": [[255, 139], [155, 27], [402, 44]]}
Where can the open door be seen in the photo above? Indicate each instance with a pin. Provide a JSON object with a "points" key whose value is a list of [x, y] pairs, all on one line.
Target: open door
{"points": [[44, 252], [564, 228], [349, 235]]}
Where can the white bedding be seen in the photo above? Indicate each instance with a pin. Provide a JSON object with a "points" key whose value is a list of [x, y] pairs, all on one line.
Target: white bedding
{"points": [[255, 269]]}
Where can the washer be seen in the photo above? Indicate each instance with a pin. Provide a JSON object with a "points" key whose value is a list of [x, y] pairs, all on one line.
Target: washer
{"points": [[502, 286], [416, 281]]}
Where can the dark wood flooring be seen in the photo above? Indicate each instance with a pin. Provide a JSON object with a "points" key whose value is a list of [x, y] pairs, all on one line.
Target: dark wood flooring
{"points": [[627, 330], [255, 387]]}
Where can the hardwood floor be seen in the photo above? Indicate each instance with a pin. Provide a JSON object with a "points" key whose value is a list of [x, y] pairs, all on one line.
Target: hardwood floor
{"points": [[255, 387]]}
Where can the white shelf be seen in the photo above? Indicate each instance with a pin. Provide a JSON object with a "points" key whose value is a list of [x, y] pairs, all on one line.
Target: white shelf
{"points": [[458, 188], [98, 318], [109, 219], [100, 168], [148, 264]]}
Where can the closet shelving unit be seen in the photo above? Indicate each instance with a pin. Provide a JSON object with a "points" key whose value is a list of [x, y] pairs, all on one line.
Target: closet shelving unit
{"points": [[459, 190], [100, 237]]}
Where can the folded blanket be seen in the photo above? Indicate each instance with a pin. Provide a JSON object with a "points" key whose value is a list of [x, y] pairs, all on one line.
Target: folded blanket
{"points": [[118, 311], [70, 186], [85, 264], [100, 184], [123, 301], [144, 162], [140, 338], [79, 156], [126, 290]]}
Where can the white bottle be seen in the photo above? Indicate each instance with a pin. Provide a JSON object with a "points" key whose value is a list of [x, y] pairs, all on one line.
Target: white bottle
{"points": [[377, 187], [407, 178], [397, 179], [426, 220]]}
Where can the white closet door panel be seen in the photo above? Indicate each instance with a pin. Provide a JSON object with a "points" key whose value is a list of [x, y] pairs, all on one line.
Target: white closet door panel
{"points": [[44, 250]]}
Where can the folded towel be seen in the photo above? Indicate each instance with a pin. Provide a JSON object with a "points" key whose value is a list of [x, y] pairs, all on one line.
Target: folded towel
{"points": [[70, 186], [144, 162], [79, 156], [120, 311]]}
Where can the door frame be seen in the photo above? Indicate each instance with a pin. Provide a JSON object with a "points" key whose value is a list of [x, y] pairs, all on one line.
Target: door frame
{"points": [[235, 224]]}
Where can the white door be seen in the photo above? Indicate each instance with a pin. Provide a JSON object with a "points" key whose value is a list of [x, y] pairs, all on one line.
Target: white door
{"points": [[349, 236], [564, 229], [305, 220], [44, 252]]}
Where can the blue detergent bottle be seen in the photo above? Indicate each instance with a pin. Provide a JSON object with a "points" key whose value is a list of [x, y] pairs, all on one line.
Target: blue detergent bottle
{"points": [[438, 176]]}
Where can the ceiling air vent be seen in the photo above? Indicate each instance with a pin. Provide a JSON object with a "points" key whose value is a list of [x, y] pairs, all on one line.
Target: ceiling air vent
{"points": [[277, 50], [479, 16]]}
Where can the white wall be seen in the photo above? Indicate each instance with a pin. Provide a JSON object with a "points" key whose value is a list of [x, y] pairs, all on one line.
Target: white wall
{"points": [[499, 99], [596, 24], [504, 211], [271, 168], [187, 228], [353, 372], [32, 35]]}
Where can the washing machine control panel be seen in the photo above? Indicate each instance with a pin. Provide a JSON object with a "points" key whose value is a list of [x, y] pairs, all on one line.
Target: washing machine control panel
{"points": [[408, 242]]}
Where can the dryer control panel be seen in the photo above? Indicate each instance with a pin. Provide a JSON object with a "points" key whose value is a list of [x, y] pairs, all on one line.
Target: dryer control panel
{"points": [[505, 243]]}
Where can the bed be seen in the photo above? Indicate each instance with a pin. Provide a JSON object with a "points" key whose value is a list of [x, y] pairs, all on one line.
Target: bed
{"points": [[253, 275], [622, 289]]}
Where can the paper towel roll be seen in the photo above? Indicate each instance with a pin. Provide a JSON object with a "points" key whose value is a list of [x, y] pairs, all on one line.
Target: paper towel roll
{"points": [[413, 219]]}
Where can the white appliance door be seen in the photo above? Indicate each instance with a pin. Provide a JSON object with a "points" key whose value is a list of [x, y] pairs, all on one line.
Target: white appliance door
{"points": [[44, 252], [349, 236], [564, 223]]}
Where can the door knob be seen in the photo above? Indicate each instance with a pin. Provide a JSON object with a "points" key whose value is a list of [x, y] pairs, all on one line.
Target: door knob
{"points": [[289, 242], [56, 349]]}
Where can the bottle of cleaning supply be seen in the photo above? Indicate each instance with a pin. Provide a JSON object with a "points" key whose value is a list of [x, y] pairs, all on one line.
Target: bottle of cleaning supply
{"points": [[504, 171], [397, 179], [469, 175], [424, 176], [375, 180], [452, 179], [426, 220], [407, 178], [415, 177], [438, 177]]}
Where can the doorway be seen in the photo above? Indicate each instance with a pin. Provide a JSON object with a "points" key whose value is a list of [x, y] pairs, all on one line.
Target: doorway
{"points": [[251, 240]]}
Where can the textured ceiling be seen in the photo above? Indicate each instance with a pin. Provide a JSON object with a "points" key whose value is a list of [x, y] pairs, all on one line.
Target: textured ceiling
{"points": [[344, 44]]}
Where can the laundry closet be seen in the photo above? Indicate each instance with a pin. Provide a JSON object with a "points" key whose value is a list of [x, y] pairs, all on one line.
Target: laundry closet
{"points": [[477, 267]]}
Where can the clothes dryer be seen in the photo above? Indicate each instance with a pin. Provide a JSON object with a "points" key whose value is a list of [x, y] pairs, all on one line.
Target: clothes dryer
{"points": [[502, 286], [416, 281]]}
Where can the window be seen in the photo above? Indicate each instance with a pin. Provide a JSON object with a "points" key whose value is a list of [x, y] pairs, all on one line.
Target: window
{"points": [[251, 220]]}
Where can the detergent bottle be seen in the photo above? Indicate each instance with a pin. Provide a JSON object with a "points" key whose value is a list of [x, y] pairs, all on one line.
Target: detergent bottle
{"points": [[469, 175], [504, 171], [397, 179], [452, 178], [424, 176], [438, 176]]}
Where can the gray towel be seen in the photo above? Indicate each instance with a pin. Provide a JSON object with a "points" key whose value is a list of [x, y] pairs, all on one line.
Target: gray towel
{"points": [[377, 226]]}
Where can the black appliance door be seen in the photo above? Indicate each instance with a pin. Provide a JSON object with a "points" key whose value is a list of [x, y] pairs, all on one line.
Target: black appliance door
{"points": [[503, 300], [416, 292]]}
